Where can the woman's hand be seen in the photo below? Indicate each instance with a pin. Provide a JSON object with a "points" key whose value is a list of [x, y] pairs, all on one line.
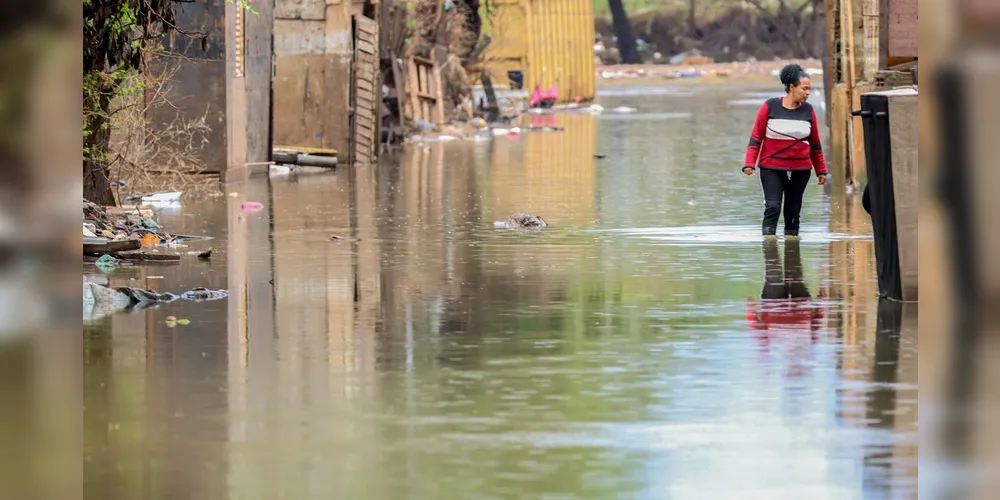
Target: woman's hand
{"points": [[821, 179], [748, 170]]}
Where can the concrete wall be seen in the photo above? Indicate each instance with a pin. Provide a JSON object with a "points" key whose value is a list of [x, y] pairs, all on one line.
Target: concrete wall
{"points": [[312, 48], [903, 134]]}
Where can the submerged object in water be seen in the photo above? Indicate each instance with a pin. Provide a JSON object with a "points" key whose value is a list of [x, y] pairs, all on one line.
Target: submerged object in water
{"points": [[520, 219]]}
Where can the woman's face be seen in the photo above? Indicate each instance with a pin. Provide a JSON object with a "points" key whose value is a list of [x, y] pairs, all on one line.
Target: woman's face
{"points": [[799, 93]]}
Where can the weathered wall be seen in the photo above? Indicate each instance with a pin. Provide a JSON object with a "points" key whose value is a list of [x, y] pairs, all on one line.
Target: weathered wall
{"points": [[901, 20], [903, 134], [312, 48], [197, 83]]}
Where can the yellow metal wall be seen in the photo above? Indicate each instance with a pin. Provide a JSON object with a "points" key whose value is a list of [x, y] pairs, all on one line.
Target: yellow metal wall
{"points": [[537, 35]]}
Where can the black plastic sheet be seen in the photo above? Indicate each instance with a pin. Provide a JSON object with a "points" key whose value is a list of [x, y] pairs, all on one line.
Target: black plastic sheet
{"points": [[875, 119]]}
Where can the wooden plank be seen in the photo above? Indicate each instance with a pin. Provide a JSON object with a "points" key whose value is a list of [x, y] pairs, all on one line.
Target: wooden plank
{"points": [[438, 89], [365, 131], [366, 47], [367, 90], [100, 246], [400, 81], [368, 27], [364, 85], [412, 80], [304, 149], [849, 54], [828, 77]]}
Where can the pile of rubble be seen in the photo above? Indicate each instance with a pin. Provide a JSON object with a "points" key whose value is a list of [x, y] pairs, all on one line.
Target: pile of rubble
{"points": [[114, 234], [124, 223]]}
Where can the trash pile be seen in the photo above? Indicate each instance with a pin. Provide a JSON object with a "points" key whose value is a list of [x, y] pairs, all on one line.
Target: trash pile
{"points": [[131, 222], [112, 235], [531, 120], [693, 68]]}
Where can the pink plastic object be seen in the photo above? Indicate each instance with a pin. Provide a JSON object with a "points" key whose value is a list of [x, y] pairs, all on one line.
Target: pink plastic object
{"points": [[251, 206]]}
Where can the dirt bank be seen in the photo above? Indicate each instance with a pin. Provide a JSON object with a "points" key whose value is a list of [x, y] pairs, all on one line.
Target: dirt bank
{"points": [[738, 33]]}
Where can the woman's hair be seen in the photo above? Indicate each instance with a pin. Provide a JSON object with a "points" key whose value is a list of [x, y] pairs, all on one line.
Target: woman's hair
{"points": [[791, 74]]}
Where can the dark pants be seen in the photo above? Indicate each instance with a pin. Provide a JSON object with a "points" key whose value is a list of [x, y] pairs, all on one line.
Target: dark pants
{"points": [[778, 184], [787, 282]]}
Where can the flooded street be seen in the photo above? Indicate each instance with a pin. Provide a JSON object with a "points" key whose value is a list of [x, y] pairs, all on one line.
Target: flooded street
{"points": [[622, 352]]}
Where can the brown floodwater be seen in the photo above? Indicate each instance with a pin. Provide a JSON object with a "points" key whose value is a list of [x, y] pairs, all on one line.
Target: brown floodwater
{"points": [[623, 352]]}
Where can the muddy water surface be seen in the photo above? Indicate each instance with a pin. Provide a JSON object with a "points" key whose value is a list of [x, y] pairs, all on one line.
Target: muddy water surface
{"points": [[623, 352]]}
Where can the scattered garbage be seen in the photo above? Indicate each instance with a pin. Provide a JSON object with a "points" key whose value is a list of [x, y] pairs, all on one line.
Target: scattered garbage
{"points": [[172, 321], [123, 223], [99, 299], [167, 197], [140, 296], [693, 56], [691, 73]]}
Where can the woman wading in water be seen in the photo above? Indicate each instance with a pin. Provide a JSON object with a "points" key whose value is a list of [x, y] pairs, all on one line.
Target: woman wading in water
{"points": [[784, 147]]}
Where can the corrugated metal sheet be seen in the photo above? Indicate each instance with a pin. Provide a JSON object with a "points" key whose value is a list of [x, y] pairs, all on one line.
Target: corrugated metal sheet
{"points": [[545, 39]]}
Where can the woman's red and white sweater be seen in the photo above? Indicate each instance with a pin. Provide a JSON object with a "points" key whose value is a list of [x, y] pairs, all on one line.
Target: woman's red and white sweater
{"points": [[786, 139]]}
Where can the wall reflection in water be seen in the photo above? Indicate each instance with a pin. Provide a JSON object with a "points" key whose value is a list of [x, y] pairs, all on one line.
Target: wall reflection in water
{"points": [[426, 355]]}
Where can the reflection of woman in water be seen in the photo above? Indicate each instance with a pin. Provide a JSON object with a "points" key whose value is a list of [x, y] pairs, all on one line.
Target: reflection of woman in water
{"points": [[786, 313], [784, 146]]}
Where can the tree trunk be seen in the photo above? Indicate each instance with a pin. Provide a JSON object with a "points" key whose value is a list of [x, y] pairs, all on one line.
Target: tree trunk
{"points": [[623, 30], [693, 30], [96, 180]]}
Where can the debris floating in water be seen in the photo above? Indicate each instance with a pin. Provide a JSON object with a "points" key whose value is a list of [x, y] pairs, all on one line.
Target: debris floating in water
{"points": [[251, 206], [107, 263], [521, 220]]}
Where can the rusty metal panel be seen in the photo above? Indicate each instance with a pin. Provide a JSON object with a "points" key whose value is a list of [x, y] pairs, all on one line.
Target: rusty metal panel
{"points": [[547, 39], [366, 92], [196, 85], [902, 21]]}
